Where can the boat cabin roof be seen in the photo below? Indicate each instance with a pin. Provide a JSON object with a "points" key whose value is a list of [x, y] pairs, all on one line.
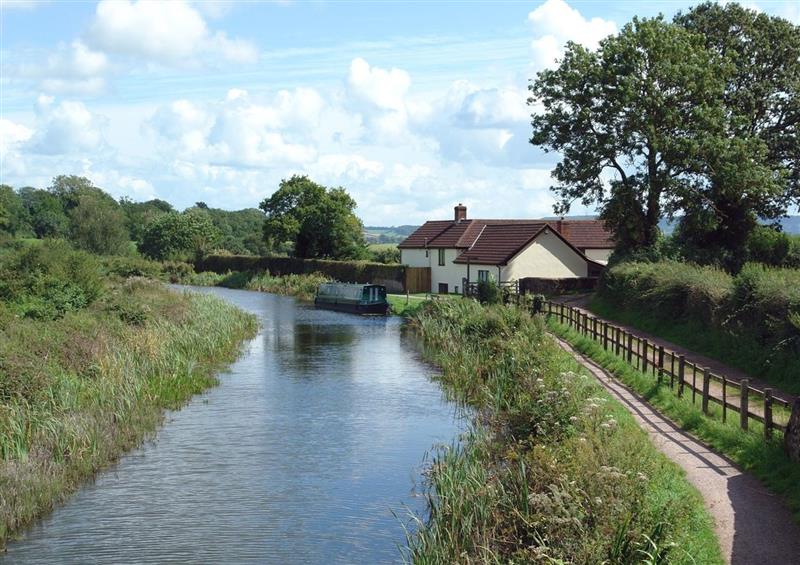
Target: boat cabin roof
{"points": [[347, 290]]}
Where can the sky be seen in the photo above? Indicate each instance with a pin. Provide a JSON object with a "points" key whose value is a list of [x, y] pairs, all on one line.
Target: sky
{"points": [[413, 107]]}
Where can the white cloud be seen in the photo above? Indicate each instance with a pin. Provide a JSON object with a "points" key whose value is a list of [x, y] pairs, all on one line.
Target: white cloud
{"points": [[70, 69], [119, 184], [347, 167], [241, 130], [555, 22], [384, 89], [167, 32], [67, 127]]}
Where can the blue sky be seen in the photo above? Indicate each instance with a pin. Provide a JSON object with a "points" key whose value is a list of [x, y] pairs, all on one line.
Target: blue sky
{"points": [[412, 106]]}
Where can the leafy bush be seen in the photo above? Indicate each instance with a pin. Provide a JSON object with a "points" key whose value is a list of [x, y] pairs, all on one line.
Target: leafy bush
{"points": [[177, 271], [752, 312], [489, 292], [386, 254], [47, 281], [127, 267]]}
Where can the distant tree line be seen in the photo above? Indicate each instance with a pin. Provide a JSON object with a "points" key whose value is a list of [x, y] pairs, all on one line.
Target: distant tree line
{"points": [[302, 218], [697, 118]]}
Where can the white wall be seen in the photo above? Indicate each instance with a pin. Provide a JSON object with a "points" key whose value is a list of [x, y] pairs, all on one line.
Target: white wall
{"points": [[451, 273], [599, 255], [415, 257], [547, 257]]}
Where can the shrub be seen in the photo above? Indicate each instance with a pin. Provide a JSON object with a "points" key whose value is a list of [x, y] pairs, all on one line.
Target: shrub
{"points": [[489, 292], [47, 281], [127, 267]]}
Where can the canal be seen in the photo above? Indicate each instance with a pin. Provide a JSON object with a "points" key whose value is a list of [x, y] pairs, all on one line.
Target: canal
{"points": [[309, 451]]}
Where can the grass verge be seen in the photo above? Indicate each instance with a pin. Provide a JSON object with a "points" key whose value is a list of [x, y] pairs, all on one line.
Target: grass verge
{"points": [[78, 391], [766, 460], [554, 470]]}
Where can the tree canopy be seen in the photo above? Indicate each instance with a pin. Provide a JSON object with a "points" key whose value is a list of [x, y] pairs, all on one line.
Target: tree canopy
{"points": [[178, 236], [698, 118], [629, 120], [754, 171], [319, 221]]}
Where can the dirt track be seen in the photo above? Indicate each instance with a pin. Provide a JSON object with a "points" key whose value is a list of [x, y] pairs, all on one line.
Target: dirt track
{"points": [[753, 526]]}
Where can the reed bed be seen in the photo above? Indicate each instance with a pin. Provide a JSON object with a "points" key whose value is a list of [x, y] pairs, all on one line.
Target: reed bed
{"points": [[553, 470], [77, 392]]}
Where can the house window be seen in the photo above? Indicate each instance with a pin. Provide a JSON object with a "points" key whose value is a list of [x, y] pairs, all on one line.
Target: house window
{"points": [[441, 257], [426, 253], [483, 276]]}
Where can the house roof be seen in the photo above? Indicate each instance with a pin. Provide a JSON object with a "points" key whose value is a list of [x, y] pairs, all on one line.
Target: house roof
{"points": [[582, 234], [425, 233], [500, 242], [587, 234]]}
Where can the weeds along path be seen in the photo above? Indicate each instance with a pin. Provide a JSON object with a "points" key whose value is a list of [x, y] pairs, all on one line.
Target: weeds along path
{"points": [[753, 525], [581, 302]]}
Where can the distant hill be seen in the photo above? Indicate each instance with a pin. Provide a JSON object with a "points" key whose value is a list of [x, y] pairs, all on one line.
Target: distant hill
{"points": [[790, 225], [393, 234]]}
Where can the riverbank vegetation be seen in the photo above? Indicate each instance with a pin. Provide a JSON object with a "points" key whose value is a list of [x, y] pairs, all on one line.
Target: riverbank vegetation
{"points": [[303, 287], [88, 362], [766, 460], [749, 320], [554, 470]]}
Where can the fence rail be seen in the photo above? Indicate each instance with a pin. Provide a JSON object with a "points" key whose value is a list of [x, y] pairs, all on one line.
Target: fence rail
{"points": [[685, 377]]}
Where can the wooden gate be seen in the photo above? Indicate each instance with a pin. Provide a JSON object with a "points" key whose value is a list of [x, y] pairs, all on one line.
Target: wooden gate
{"points": [[418, 279]]}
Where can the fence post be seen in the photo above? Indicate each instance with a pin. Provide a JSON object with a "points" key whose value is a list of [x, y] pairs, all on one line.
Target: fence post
{"points": [[744, 402], [618, 333], [630, 348], [694, 381], [681, 369], [660, 363], [645, 346], [571, 314], [768, 414], [605, 335], [724, 398], [706, 386]]}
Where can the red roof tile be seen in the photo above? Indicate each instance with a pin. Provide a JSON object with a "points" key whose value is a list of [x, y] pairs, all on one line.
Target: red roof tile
{"points": [[500, 242], [425, 233], [470, 234], [587, 234]]}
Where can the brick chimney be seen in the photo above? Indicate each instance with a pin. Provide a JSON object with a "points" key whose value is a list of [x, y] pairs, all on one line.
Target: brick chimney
{"points": [[460, 212], [559, 225]]}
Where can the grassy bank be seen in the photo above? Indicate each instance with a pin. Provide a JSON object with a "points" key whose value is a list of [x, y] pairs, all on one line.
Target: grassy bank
{"points": [[554, 470], [85, 378], [765, 460], [750, 321]]}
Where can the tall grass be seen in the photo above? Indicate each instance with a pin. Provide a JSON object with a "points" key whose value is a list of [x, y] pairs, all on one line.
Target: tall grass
{"points": [[750, 321], [77, 392], [554, 470]]}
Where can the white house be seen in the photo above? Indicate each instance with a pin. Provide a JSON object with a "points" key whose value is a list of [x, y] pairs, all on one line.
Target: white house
{"points": [[463, 250]]}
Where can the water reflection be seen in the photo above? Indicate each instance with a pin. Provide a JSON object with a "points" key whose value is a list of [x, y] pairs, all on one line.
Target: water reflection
{"points": [[299, 456]]}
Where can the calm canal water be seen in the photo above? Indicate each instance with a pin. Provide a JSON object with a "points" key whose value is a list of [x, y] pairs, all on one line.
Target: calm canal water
{"points": [[311, 441]]}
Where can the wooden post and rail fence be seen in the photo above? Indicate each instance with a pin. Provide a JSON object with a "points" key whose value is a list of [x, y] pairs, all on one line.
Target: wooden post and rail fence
{"points": [[739, 397]]}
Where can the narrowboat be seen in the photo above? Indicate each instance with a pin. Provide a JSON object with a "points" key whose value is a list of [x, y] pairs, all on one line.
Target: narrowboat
{"points": [[353, 298]]}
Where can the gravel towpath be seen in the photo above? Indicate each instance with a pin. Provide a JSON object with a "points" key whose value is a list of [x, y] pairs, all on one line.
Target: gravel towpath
{"points": [[753, 526]]}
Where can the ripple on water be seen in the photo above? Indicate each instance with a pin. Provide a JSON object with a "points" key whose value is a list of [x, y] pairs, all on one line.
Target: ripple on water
{"points": [[301, 454]]}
